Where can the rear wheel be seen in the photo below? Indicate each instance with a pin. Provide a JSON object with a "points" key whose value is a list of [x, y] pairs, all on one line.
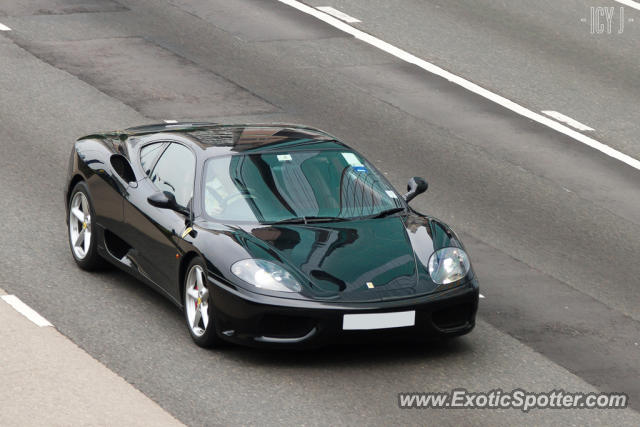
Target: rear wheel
{"points": [[82, 240], [198, 307]]}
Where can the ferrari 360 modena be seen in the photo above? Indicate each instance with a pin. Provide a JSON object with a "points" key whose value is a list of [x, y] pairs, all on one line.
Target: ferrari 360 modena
{"points": [[267, 235]]}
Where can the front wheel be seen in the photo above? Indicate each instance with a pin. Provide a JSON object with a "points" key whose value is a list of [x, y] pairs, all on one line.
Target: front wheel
{"points": [[82, 240], [198, 307]]}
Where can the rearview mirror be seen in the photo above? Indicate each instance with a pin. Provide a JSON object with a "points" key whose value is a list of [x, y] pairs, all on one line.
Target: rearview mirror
{"points": [[415, 186], [164, 200]]}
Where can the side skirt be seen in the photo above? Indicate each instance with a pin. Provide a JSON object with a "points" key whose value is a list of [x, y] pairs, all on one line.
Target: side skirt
{"points": [[122, 255]]}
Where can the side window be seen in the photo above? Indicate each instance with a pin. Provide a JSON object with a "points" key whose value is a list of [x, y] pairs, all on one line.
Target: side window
{"points": [[174, 173], [149, 154]]}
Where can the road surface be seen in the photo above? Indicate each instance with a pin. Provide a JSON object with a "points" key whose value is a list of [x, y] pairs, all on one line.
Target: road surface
{"points": [[552, 225]]}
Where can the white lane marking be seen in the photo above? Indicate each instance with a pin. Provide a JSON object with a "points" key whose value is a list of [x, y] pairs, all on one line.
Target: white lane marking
{"points": [[568, 120], [432, 68], [25, 310], [481, 296], [171, 121], [4, 27], [340, 15], [630, 3]]}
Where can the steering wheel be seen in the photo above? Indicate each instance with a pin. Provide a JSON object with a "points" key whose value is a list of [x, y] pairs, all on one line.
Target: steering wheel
{"points": [[225, 201]]}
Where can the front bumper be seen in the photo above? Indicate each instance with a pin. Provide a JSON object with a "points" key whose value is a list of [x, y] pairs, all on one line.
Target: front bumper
{"points": [[257, 320]]}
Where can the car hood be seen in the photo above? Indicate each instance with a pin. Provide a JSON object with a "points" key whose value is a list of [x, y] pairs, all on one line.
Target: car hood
{"points": [[354, 261]]}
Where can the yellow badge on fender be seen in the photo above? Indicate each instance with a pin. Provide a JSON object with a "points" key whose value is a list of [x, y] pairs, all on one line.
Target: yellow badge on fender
{"points": [[369, 285], [186, 231]]}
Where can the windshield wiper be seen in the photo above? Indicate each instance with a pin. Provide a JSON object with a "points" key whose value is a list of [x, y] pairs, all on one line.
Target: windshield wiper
{"points": [[386, 212], [308, 219]]}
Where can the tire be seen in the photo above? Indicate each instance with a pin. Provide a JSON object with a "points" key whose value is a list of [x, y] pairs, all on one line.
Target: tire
{"points": [[198, 310], [81, 214]]}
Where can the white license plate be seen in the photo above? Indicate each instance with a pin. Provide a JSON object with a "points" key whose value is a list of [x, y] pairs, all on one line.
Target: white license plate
{"points": [[379, 320]]}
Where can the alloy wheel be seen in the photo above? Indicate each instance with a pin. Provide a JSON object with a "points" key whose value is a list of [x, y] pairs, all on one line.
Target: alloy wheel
{"points": [[197, 301], [80, 225]]}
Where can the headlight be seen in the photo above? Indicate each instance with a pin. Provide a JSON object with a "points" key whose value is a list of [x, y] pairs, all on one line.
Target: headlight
{"points": [[447, 265], [265, 275]]}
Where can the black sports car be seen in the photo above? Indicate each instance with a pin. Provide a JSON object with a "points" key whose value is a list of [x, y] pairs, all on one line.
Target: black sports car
{"points": [[274, 235]]}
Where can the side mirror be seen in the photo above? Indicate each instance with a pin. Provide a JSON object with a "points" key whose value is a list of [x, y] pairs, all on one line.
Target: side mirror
{"points": [[415, 186], [164, 200]]}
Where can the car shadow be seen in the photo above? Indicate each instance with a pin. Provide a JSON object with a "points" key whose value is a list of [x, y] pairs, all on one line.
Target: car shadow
{"points": [[345, 355]]}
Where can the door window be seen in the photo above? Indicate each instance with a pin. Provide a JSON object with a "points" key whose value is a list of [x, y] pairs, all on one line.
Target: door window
{"points": [[149, 154], [174, 173]]}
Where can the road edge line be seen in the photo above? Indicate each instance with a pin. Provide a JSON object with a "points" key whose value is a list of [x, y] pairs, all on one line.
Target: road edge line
{"points": [[25, 310]]}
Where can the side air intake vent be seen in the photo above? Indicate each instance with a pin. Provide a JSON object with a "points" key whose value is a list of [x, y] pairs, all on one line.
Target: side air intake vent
{"points": [[122, 167]]}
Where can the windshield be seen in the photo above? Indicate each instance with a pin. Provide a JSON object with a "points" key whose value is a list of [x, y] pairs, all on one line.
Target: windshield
{"points": [[274, 187]]}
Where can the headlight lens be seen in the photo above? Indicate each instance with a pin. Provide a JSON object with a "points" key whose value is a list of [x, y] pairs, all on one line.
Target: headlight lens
{"points": [[265, 275], [447, 265]]}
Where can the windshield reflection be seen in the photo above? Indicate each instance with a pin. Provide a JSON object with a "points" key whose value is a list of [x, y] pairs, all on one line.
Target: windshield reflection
{"points": [[273, 187]]}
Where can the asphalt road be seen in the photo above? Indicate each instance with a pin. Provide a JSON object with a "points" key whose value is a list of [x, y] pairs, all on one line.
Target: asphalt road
{"points": [[552, 226]]}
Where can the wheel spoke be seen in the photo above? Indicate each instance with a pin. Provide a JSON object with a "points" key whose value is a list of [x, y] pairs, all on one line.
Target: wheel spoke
{"points": [[85, 206], [197, 317], [193, 293], [204, 311], [79, 239], [78, 214], [87, 240], [199, 278]]}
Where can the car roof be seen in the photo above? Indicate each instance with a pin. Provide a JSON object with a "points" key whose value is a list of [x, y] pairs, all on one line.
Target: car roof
{"points": [[238, 137]]}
